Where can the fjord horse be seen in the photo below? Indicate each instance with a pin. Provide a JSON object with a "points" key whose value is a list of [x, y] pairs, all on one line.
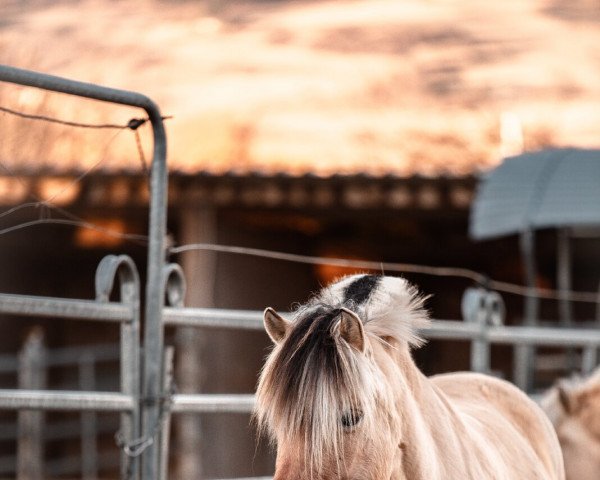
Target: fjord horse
{"points": [[574, 409], [342, 398]]}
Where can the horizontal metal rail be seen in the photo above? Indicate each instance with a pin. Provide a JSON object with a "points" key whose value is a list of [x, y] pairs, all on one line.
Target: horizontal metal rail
{"points": [[555, 337], [72, 87], [451, 330], [248, 478], [65, 400], [215, 403], [213, 318], [65, 308], [436, 330]]}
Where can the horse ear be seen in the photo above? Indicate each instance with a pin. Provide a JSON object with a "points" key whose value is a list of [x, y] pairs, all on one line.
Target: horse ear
{"points": [[351, 329], [567, 398], [275, 325]]}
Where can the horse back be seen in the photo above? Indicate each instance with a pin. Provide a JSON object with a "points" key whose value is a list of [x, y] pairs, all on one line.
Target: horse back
{"points": [[504, 414]]}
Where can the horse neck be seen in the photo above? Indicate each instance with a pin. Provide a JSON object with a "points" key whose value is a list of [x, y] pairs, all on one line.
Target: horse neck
{"points": [[429, 424]]}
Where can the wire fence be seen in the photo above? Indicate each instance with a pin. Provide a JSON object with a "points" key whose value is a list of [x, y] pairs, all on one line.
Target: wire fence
{"points": [[45, 206]]}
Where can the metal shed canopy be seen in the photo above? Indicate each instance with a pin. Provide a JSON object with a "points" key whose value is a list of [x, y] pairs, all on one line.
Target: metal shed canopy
{"points": [[549, 188]]}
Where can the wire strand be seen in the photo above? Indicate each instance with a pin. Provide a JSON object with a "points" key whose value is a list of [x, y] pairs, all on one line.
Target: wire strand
{"points": [[62, 122], [141, 239], [483, 280], [135, 123], [46, 206]]}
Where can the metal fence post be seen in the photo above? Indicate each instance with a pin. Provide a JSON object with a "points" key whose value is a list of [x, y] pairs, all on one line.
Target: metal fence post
{"points": [[166, 414], [589, 359], [32, 376], [153, 326], [129, 283], [174, 295], [484, 309], [88, 420]]}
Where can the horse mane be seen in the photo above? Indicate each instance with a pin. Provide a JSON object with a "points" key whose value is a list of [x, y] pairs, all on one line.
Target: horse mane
{"points": [[314, 379]]}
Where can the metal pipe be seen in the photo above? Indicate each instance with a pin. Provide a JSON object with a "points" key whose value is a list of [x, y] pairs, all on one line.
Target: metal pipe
{"points": [[153, 325], [556, 337], [165, 429], [32, 375], [73, 87], [589, 359], [64, 308], [122, 267], [524, 355], [212, 403], [563, 264], [253, 320], [248, 478], [88, 421], [67, 400], [436, 330], [213, 318]]}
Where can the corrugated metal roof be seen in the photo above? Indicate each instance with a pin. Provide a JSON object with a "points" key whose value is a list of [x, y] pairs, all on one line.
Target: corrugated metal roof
{"points": [[549, 188]]}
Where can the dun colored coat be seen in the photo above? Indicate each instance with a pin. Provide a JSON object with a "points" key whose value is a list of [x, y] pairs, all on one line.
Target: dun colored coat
{"points": [[342, 398], [574, 409]]}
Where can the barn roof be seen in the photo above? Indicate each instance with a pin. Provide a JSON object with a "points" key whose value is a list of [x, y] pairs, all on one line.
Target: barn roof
{"points": [[548, 188]]}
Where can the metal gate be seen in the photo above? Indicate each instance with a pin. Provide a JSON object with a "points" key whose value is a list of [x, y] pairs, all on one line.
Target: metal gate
{"points": [[140, 398], [145, 400]]}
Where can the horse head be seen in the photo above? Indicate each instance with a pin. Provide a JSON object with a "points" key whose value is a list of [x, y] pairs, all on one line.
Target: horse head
{"points": [[329, 391]]}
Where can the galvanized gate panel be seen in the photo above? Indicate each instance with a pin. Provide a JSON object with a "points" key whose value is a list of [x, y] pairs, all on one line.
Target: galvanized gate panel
{"points": [[151, 384]]}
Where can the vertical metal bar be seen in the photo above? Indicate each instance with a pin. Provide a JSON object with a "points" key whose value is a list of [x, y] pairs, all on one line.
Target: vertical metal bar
{"points": [[166, 414], [32, 376], [153, 328], [480, 348], [475, 310], [174, 289], [89, 443], [524, 355], [598, 307], [131, 372], [589, 359], [107, 270], [563, 280], [563, 262]]}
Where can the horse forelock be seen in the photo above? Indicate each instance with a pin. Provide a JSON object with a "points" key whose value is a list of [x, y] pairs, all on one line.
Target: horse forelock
{"points": [[310, 382], [314, 378]]}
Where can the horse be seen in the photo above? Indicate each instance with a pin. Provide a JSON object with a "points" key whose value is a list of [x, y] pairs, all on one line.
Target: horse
{"points": [[341, 398], [573, 406]]}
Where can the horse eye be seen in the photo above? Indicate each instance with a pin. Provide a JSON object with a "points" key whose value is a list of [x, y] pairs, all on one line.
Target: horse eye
{"points": [[351, 419]]}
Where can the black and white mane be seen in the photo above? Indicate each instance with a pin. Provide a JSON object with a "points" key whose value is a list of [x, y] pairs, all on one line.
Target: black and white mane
{"points": [[315, 385]]}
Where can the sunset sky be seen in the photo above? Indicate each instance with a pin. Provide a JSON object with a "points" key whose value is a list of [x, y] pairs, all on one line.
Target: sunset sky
{"points": [[430, 87]]}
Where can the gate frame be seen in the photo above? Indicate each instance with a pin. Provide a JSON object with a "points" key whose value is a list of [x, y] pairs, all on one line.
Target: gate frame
{"points": [[153, 334]]}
